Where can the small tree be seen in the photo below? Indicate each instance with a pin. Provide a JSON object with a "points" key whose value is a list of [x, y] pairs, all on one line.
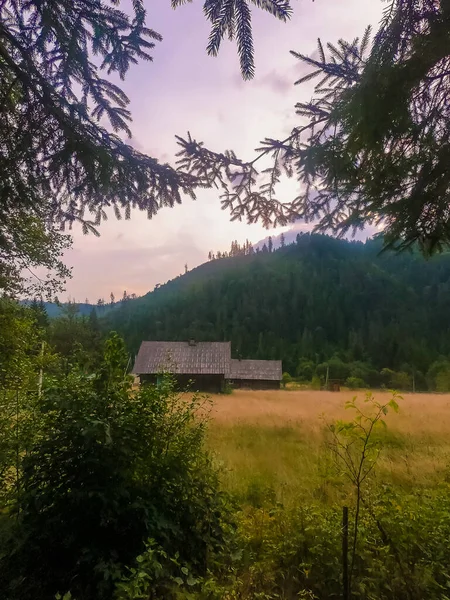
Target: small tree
{"points": [[355, 448]]}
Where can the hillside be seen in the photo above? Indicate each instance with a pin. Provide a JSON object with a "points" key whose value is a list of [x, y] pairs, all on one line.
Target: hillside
{"points": [[308, 300]]}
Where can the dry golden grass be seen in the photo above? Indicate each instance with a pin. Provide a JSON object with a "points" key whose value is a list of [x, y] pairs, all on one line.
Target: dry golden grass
{"points": [[272, 442]]}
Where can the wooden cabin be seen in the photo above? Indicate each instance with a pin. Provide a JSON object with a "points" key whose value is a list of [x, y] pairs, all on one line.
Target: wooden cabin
{"points": [[205, 366]]}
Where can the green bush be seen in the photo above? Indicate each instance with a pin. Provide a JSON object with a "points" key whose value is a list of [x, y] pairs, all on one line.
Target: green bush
{"points": [[366, 372], [111, 469], [337, 369], [402, 553], [227, 388], [396, 380], [355, 383], [316, 384], [438, 376], [305, 369], [286, 378]]}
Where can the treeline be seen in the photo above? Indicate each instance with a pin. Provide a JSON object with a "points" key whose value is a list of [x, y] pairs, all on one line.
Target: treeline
{"points": [[236, 249], [247, 249], [76, 337], [376, 319]]}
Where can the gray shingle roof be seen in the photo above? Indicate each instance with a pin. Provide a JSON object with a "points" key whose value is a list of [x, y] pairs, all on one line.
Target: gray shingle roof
{"points": [[269, 370], [203, 358]]}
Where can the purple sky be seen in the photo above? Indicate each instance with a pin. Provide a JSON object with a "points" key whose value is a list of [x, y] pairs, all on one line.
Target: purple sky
{"points": [[184, 89]]}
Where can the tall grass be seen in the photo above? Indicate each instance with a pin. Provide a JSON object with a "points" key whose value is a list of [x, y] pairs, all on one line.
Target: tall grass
{"points": [[280, 454]]}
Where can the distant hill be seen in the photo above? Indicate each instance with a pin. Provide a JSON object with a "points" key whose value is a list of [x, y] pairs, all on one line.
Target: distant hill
{"points": [[55, 310], [309, 300]]}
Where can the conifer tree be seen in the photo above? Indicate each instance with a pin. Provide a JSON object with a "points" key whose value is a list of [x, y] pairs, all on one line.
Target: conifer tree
{"points": [[372, 146], [62, 120]]}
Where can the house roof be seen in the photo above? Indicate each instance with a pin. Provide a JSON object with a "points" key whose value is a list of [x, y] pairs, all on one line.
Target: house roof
{"points": [[269, 370], [200, 358]]}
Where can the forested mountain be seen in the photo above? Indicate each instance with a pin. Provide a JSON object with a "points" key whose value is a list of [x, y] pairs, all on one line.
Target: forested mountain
{"points": [[306, 303]]}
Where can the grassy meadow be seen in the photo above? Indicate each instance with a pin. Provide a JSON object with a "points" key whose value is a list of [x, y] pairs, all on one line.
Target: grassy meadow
{"points": [[271, 445]]}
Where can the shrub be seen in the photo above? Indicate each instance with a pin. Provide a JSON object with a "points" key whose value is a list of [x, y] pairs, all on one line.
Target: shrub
{"points": [[316, 383], [109, 471], [305, 369], [286, 378], [397, 380], [438, 376], [355, 383], [366, 372], [336, 368], [227, 388]]}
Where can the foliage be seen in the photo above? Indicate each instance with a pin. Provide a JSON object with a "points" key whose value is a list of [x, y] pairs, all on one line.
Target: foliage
{"points": [[286, 378], [227, 388], [59, 164], [355, 383], [27, 245], [355, 448], [316, 383], [372, 144], [438, 375], [77, 339], [403, 551], [21, 358], [396, 380], [107, 471], [233, 19], [305, 369], [158, 574], [317, 303]]}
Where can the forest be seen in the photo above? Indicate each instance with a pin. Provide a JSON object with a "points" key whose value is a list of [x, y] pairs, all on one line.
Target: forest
{"points": [[372, 317]]}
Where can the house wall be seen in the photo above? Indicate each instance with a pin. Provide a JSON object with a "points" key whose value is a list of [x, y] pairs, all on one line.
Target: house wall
{"points": [[197, 383], [255, 384]]}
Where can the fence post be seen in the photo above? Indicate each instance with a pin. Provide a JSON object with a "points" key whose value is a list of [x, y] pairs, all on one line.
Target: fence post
{"points": [[345, 590]]}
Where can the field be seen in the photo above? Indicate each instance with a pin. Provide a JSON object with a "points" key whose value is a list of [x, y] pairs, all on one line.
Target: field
{"points": [[271, 444]]}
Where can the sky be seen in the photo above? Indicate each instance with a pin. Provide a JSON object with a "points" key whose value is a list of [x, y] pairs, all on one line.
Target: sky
{"points": [[183, 90]]}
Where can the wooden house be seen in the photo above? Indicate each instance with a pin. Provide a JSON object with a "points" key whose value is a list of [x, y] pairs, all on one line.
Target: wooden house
{"points": [[207, 366]]}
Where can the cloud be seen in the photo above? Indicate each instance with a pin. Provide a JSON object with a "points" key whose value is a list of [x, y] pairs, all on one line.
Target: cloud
{"points": [[136, 270], [278, 83], [162, 157]]}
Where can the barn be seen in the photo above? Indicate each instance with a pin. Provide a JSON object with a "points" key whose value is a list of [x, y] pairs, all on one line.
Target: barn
{"points": [[207, 366]]}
